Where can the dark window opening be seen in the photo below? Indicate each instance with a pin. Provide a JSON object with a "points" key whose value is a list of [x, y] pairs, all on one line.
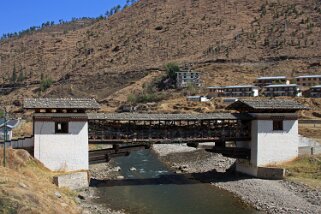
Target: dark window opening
{"points": [[61, 127], [277, 125]]}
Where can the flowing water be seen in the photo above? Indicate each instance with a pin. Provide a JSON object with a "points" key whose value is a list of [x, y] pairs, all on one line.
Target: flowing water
{"points": [[154, 189]]}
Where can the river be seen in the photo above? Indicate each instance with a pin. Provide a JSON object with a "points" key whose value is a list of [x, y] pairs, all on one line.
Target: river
{"points": [[153, 189]]}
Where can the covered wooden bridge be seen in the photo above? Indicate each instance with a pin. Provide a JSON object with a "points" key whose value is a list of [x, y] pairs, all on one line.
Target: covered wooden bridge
{"points": [[63, 128], [114, 128], [128, 131]]}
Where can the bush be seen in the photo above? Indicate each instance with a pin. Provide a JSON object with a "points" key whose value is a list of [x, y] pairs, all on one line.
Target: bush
{"points": [[190, 90], [145, 98], [131, 98], [171, 70], [45, 83]]}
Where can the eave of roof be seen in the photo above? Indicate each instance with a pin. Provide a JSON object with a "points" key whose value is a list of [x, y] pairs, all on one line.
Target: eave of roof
{"points": [[281, 85], [167, 117], [232, 86], [307, 76], [316, 86], [268, 78]]}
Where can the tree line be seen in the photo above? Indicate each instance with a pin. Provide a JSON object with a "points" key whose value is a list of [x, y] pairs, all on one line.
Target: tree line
{"points": [[119, 8], [108, 13]]}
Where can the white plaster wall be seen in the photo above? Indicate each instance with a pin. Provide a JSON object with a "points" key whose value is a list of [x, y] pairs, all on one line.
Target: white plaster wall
{"points": [[271, 147], [244, 166], [62, 152], [254, 140], [255, 92]]}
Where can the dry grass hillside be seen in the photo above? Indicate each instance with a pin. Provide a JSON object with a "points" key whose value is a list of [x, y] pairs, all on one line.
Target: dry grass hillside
{"points": [[231, 41], [26, 187]]}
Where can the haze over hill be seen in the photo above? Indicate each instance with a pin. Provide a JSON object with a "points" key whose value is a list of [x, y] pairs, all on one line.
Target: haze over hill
{"points": [[220, 38]]}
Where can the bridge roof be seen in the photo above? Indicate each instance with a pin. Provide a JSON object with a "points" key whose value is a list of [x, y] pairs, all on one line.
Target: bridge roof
{"points": [[60, 103], [168, 117], [258, 105]]}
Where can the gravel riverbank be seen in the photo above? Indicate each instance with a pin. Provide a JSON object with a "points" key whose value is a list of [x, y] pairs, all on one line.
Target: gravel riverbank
{"points": [[271, 196], [86, 198]]}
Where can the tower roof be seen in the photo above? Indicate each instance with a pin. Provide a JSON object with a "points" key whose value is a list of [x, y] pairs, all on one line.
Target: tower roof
{"points": [[60, 103], [266, 105]]}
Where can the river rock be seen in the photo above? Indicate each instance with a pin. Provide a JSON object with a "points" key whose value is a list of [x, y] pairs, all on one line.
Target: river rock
{"points": [[116, 169], [82, 196], [132, 169], [183, 168], [57, 194], [23, 185], [120, 177]]}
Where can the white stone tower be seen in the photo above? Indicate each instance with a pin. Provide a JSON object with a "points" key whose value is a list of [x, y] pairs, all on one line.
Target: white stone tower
{"points": [[274, 133], [60, 128]]}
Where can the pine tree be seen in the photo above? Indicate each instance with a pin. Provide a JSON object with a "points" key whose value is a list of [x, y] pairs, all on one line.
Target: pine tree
{"points": [[21, 76], [14, 75]]}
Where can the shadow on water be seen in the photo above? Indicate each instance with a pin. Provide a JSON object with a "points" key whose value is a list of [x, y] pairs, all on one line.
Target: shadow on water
{"points": [[177, 179]]}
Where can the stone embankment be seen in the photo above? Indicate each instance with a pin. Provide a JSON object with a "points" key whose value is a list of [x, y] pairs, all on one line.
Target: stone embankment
{"points": [[271, 196]]}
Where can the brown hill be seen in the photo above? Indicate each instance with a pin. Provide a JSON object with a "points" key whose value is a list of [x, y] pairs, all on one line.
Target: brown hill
{"points": [[230, 41]]}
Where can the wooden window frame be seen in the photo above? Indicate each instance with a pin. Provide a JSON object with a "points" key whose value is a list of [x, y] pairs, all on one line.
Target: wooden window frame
{"points": [[278, 125], [63, 129]]}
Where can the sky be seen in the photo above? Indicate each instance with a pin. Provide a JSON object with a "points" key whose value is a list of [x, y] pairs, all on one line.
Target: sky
{"points": [[17, 15]]}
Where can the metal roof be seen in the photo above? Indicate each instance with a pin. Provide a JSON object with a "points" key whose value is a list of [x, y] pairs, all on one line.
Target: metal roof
{"points": [[316, 86], [281, 85], [232, 86], [187, 72], [169, 117], [267, 104], [308, 76], [11, 123], [60, 103], [191, 97], [275, 77]]}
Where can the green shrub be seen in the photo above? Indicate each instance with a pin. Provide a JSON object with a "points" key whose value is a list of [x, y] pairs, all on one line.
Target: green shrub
{"points": [[132, 98], [145, 97], [171, 70], [21, 77], [45, 83]]}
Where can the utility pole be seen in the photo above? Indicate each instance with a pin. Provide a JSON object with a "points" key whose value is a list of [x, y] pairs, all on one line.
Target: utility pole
{"points": [[5, 133]]}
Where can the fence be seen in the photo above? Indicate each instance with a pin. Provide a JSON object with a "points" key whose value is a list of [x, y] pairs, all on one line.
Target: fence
{"points": [[315, 123], [309, 150], [22, 143]]}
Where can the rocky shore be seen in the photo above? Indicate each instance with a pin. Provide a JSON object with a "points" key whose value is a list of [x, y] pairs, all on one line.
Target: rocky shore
{"points": [[271, 196], [86, 198]]}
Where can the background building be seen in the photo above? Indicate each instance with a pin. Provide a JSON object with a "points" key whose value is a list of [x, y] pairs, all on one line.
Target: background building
{"points": [[233, 91], [184, 78], [308, 80], [291, 90], [11, 124], [264, 81], [314, 91]]}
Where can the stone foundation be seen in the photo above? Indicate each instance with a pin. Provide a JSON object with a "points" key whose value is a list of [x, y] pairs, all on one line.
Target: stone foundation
{"points": [[73, 181]]}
